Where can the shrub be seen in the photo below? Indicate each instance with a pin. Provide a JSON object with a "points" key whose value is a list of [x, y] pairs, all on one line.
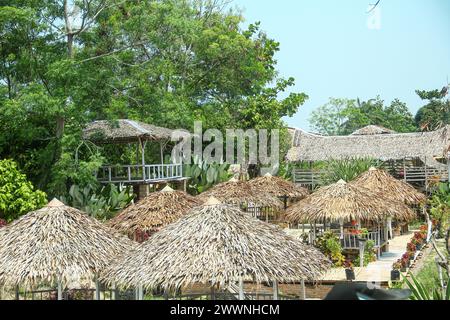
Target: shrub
{"points": [[17, 194], [330, 246]]}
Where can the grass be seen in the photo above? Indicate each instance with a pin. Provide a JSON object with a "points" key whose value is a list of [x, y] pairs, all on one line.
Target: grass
{"points": [[428, 275]]}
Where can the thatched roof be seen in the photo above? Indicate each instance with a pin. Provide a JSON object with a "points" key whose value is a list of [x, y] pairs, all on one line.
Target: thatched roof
{"points": [[240, 192], [379, 181], [216, 244], [153, 212], [278, 187], [56, 242], [423, 145], [124, 131], [371, 130], [348, 202]]}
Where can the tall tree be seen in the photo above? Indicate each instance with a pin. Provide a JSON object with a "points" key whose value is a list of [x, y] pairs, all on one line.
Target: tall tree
{"points": [[64, 63], [344, 116], [436, 113]]}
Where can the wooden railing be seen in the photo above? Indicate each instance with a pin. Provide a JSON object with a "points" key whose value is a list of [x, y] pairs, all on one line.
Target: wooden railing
{"points": [[139, 173], [426, 175]]}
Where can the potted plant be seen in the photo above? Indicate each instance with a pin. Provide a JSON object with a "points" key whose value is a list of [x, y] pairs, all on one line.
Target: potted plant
{"points": [[395, 272], [405, 262], [349, 272], [411, 246]]}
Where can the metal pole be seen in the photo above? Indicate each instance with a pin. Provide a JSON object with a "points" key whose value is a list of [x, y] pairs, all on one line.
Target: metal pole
{"points": [[97, 289], [114, 291], [362, 245], [59, 290], [241, 289], [275, 290], [303, 289]]}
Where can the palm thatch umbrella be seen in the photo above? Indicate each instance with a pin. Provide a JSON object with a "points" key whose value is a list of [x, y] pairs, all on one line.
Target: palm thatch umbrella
{"points": [[345, 202], [56, 244], [381, 182], [239, 193], [278, 187], [153, 212], [216, 244]]}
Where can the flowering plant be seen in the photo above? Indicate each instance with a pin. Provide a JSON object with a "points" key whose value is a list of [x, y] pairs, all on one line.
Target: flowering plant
{"points": [[411, 247], [2, 223]]}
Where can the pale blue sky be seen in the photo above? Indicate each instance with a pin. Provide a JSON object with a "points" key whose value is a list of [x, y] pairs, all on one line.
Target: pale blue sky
{"points": [[328, 48]]}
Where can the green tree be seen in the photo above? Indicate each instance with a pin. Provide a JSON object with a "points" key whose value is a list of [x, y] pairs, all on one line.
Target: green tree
{"points": [[436, 113], [168, 63], [344, 116], [17, 194]]}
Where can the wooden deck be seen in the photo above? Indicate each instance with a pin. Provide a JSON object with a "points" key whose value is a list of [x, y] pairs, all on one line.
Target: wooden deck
{"points": [[140, 174]]}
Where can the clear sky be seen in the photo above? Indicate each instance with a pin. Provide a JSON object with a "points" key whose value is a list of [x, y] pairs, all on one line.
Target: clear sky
{"points": [[329, 48]]}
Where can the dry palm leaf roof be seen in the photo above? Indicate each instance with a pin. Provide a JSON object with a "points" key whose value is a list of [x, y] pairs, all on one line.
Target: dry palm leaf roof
{"points": [[397, 146], [216, 244], [55, 243], [345, 201], [153, 212], [124, 131], [371, 129], [240, 192], [379, 181], [278, 187]]}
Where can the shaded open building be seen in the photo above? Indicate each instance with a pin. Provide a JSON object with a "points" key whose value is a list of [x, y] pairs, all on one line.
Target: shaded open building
{"points": [[241, 193], [419, 157], [278, 187], [140, 220], [345, 209], [58, 248], [219, 246], [381, 182]]}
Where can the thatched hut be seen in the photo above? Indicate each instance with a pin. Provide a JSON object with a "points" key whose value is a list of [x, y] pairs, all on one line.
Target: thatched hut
{"points": [[220, 246], [417, 157], [56, 246], [380, 181], [352, 208], [243, 195], [278, 187], [371, 130], [155, 211]]}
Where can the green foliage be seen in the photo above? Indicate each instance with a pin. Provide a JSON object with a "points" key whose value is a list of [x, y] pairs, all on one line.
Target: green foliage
{"points": [[168, 63], [344, 116], [203, 175], [17, 194], [421, 292], [440, 208], [102, 204], [347, 169], [436, 113], [328, 243]]}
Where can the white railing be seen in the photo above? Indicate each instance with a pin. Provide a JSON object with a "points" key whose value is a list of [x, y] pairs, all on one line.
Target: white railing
{"points": [[139, 173], [351, 241]]}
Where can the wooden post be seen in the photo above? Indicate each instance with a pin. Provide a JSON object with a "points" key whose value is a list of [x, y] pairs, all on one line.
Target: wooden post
{"points": [[17, 292], [161, 151], [275, 290], [113, 291], [303, 290], [241, 289], [341, 226], [142, 146], [60, 297], [213, 293], [139, 292]]}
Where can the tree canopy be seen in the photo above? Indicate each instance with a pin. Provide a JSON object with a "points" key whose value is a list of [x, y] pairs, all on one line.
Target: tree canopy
{"points": [[436, 113], [64, 63], [344, 116]]}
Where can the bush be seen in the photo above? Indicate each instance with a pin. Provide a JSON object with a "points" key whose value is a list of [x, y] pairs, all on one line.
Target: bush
{"points": [[347, 169], [330, 246], [17, 194]]}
